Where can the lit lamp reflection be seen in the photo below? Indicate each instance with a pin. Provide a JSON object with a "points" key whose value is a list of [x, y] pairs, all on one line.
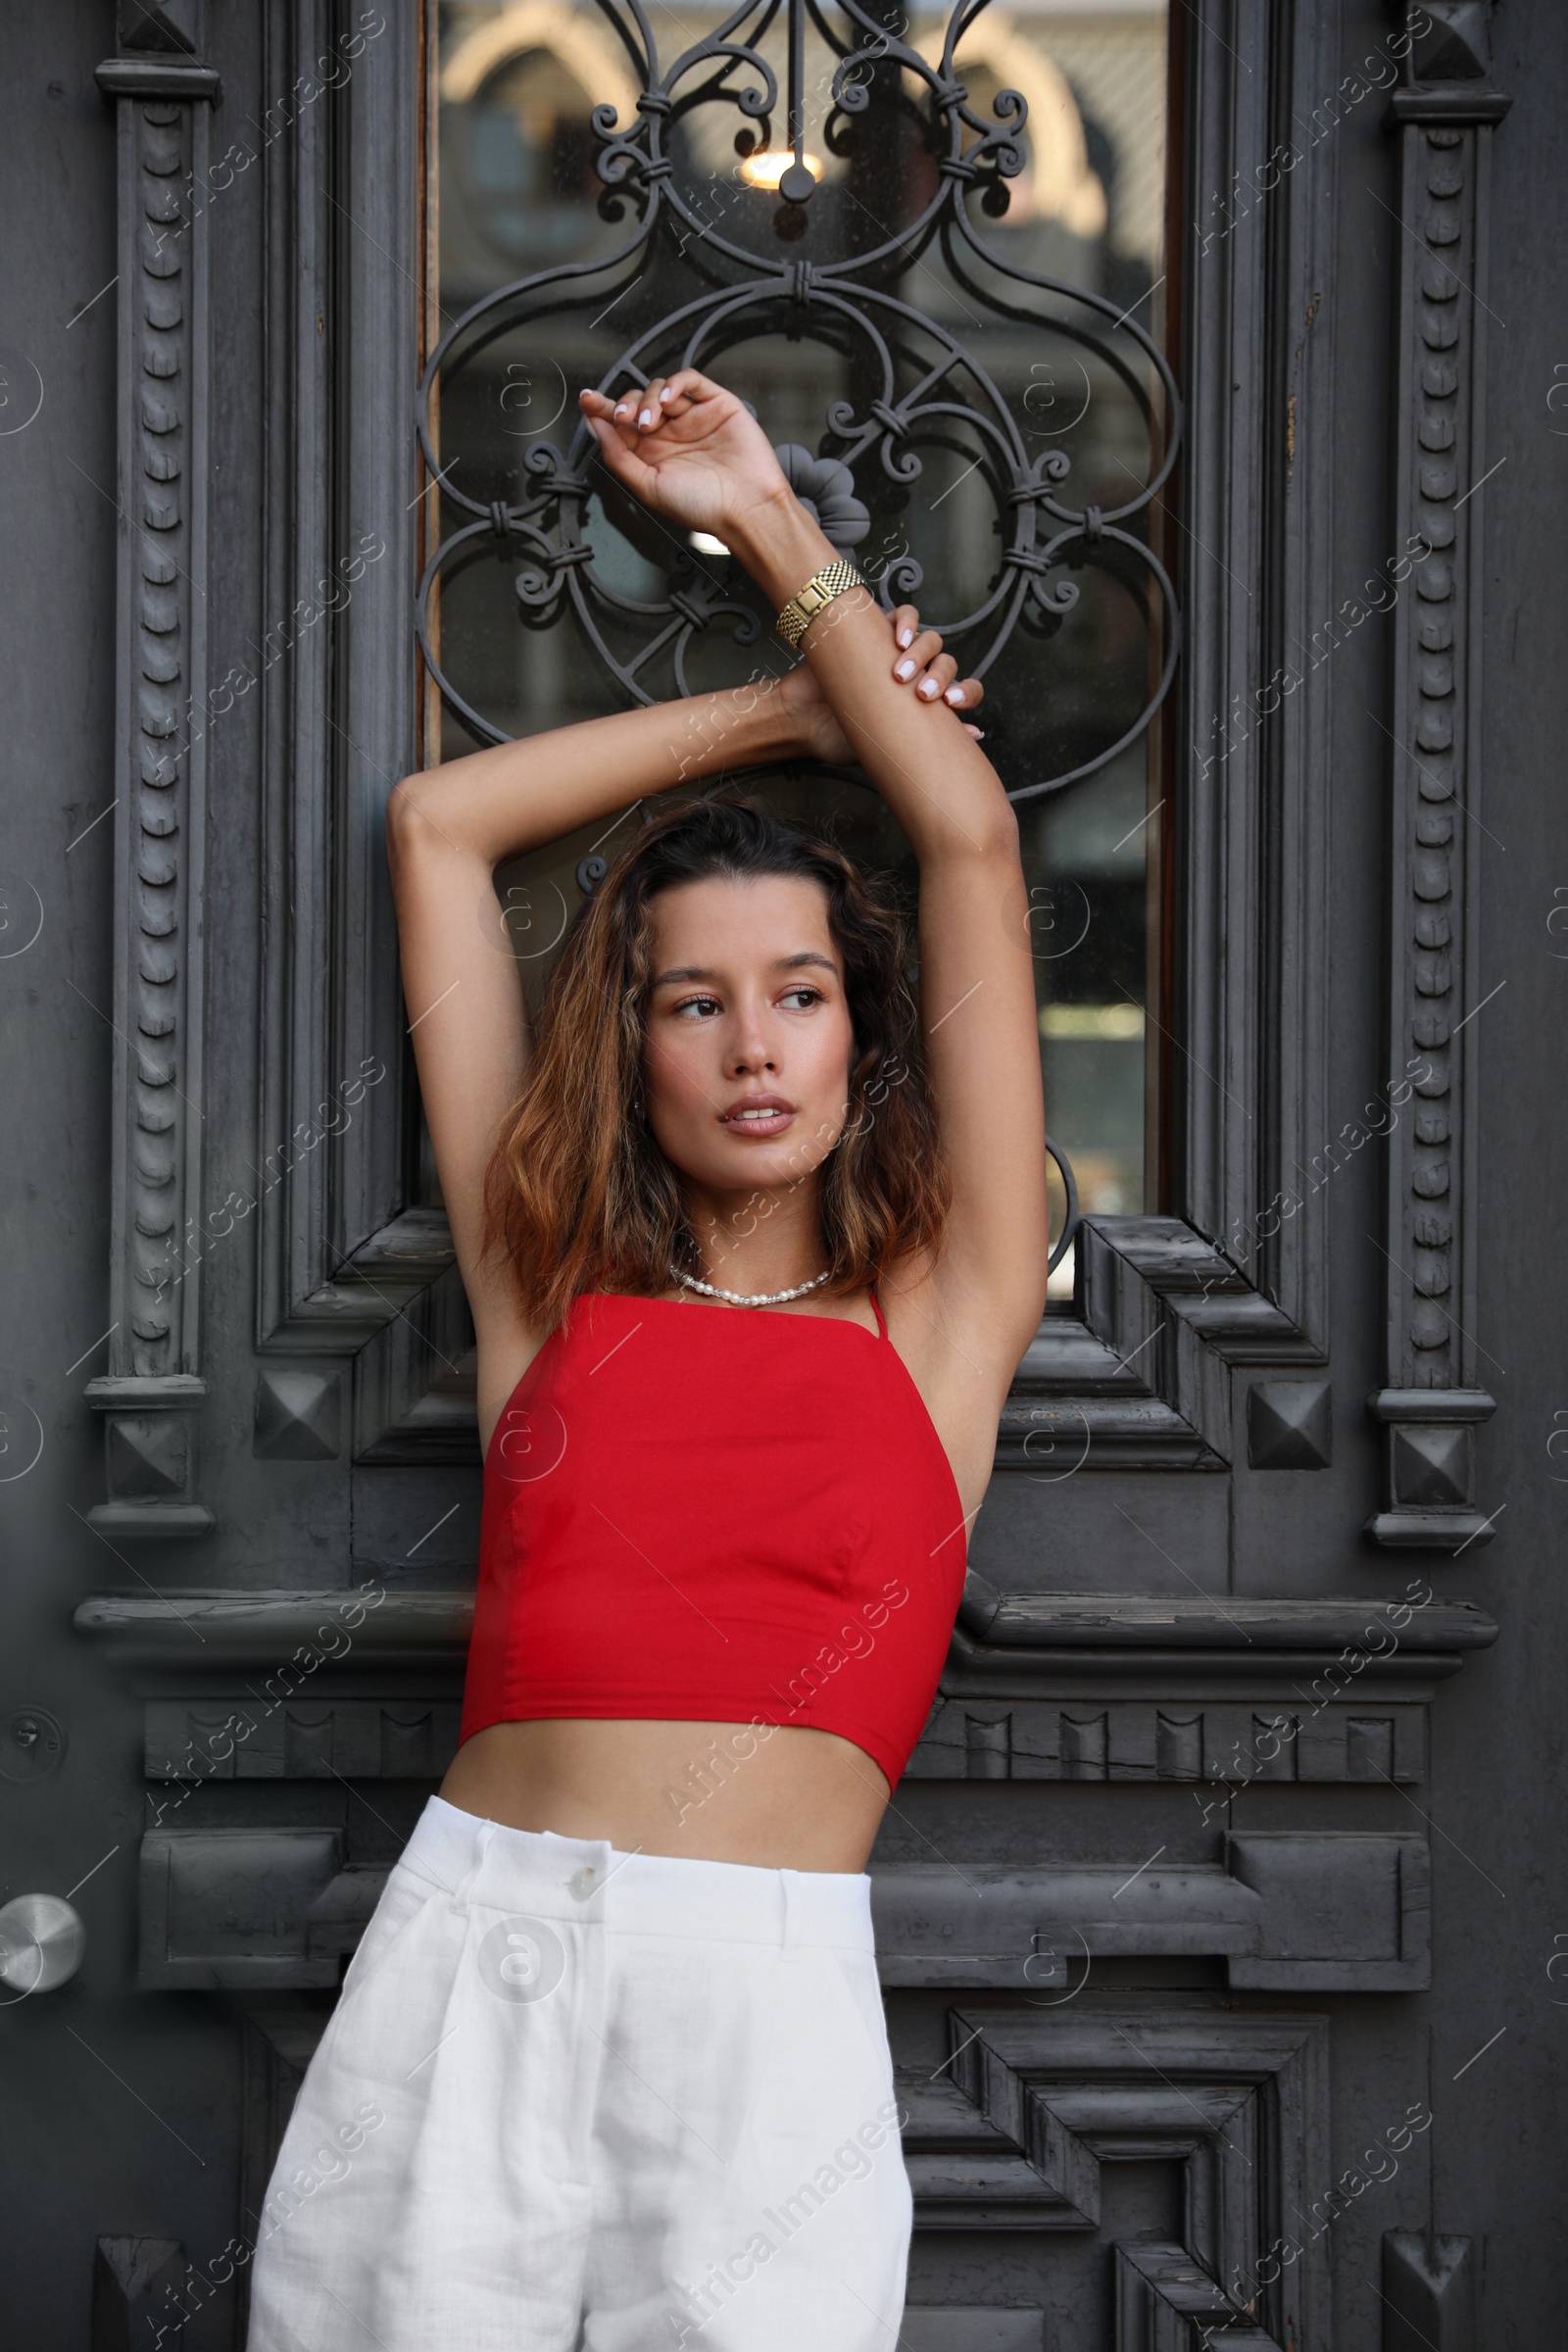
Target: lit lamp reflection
{"points": [[772, 170]]}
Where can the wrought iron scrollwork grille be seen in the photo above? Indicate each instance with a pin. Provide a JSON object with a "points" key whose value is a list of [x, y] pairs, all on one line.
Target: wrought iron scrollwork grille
{"points": [[913, 384], [1045, 532]]}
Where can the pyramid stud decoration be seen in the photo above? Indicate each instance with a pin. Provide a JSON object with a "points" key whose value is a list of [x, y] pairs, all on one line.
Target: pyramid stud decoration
{"points": [[299, 1416], [1290, 1425]]}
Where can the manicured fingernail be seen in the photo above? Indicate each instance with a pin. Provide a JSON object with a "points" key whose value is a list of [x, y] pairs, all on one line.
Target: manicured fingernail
{"points": [[927, 687], [668, 393], [954, 694], [904, 670], [976, 732], [620, 408], [906, 636], [646, 419]]}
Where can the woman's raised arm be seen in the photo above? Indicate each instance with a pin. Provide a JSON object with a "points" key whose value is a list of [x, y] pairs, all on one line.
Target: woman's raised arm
{"points": [[702, 459], [448, 829]]}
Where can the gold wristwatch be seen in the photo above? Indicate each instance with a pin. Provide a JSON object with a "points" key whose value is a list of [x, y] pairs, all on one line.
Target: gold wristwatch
{"points": [[819, 590]]}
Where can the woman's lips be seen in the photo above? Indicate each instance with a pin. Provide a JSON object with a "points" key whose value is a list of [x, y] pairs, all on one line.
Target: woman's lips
{"points": [[759, 1115]]}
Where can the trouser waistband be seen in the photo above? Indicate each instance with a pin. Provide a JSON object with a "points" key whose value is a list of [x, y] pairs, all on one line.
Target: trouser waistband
{"points": [[486, 1864]]}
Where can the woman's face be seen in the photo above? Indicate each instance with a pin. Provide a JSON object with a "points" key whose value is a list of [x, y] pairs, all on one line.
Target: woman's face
{"points": [[749, 1040]]}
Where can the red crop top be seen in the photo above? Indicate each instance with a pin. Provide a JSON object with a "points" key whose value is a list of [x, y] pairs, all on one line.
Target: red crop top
{"points": [[716, 1515]]}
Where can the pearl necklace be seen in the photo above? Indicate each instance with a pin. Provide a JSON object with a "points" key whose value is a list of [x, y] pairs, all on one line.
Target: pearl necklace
{"points": [[737, 1297]]}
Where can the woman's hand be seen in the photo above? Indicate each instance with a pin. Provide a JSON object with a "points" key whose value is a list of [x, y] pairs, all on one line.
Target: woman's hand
{"points": [[921, 663], [917, 661], [688, 450]]}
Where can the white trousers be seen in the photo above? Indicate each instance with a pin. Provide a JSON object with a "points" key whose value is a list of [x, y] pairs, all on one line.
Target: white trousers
{"points": [[574, 2100]]}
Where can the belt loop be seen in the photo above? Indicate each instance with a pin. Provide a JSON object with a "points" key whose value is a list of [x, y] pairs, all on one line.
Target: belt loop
{"points": [[794, 1910], [481, 1846]]}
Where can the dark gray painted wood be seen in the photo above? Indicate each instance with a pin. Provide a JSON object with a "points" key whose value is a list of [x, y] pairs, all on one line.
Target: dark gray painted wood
{"points": [[1428, 2284], [163, 716], [1317, 1911], [1432, 1400], [1053, 1754]]}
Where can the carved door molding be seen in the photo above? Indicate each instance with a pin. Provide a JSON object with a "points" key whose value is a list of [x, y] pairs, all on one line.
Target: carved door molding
{"points": [[355, 1288], [1202, 1337], [1433, 1399]]}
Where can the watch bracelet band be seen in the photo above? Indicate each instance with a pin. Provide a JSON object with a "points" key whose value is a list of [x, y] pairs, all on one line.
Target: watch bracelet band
{"points": [[834, 579]]}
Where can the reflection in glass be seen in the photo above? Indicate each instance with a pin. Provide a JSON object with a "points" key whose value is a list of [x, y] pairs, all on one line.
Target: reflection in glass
{"points": [[992, 362]]}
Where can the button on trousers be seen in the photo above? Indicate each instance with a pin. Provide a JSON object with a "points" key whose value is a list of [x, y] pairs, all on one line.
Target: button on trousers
{"points": [[574, 2100]]}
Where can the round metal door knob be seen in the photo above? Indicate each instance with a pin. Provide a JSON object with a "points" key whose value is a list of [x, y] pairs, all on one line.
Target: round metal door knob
{"points": [[42, 1940]]}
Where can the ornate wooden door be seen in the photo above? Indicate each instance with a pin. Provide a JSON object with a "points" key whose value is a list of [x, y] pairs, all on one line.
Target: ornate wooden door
{"points": [[1051, 313]]}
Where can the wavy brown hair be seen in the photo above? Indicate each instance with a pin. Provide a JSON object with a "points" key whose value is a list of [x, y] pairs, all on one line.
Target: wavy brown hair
{"points": [[579, 1194]]}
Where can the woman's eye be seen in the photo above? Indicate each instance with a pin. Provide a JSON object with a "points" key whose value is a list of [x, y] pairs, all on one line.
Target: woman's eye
{"points": [[803, 995], [698, 1004]]}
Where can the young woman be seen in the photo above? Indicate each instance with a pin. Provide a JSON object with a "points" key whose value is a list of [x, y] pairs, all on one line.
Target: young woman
{"points": [[754, 1245]]}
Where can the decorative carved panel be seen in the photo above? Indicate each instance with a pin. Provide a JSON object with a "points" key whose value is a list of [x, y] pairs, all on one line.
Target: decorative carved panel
{"points": [[1153, 1740], [153, 1389], [1428, 2292], [1290, 1425], [1013, 2132], [1327, 1910], [338, 1740], [1140, 1376], [337, 1260], [279, 2042], [132, 2281], [1214, 1745], [1024, 1634], [1166, 2302], [1431, 1399]]}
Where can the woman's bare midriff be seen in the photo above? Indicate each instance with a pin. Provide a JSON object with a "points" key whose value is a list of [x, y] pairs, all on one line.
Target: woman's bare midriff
{"points": [[781, 1798]]}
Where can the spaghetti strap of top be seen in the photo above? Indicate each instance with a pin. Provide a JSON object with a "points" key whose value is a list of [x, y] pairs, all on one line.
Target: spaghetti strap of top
{"points": [[881, 1319]]}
